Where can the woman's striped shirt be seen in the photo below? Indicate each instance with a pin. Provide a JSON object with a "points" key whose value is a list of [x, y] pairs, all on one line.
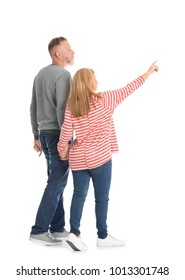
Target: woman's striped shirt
{"points": [[95, 133]]}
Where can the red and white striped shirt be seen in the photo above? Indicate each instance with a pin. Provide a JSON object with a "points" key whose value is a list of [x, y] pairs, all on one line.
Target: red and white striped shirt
{"points": [[95, 133]]}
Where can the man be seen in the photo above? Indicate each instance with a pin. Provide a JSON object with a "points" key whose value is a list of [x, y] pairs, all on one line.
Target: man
{"points": [[50, 92]]}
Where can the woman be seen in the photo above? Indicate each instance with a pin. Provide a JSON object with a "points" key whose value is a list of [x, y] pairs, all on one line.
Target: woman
{"points": [[90, 116]]}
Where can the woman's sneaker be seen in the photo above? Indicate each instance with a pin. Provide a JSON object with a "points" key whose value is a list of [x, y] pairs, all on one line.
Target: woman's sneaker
{"points": [[76, 243], [109, 241]]}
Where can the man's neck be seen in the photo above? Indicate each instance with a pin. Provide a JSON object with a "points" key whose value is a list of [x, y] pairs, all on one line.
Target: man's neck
{"points": [[59, 63]]}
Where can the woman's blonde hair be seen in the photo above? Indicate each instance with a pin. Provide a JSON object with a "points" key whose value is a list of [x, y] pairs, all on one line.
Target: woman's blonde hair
{"points": [[81, 93]]}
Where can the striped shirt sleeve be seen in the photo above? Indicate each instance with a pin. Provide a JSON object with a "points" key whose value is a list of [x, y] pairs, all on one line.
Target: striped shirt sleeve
{"points": [[66, 132], [114, 97]]}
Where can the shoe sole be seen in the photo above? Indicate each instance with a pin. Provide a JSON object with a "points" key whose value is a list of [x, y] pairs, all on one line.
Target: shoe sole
{"points": [[59, 237], [72, 245], [44, 242]]}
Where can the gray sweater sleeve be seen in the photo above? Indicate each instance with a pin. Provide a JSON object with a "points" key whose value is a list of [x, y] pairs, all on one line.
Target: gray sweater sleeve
{"points": [[63, 84], [33, 113]]}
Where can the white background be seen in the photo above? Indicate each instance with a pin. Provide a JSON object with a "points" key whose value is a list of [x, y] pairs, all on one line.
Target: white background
{"points": [[119, 40]]}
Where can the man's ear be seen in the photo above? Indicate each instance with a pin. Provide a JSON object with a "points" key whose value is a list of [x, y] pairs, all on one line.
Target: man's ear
{"points": [[58, 54]]}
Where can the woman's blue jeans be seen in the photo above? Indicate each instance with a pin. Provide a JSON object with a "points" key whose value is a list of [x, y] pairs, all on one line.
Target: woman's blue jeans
{"points": [[50, 214], [101, 178]]}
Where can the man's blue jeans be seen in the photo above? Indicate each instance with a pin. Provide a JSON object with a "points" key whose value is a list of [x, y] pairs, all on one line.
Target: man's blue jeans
{"points": [[50, 213], [101, 178]]}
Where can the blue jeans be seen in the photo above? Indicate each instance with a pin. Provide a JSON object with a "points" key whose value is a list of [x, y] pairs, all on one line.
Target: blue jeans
{"points": [[101, 178], [50, 214]]}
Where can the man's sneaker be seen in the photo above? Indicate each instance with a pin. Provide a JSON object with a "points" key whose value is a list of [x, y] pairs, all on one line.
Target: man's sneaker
{"points": [[59, 235], [45, 239], [109, 241], [76, 243]]}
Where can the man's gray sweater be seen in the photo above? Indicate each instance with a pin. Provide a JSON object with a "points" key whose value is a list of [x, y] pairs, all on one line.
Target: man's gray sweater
{"points": [[49, 96]]}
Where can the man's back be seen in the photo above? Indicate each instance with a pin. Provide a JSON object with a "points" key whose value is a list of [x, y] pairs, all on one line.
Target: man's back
{"points": [[50, 93]]}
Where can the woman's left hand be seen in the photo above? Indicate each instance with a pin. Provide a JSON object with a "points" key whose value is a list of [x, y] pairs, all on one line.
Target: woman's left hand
{"points": [[64, 155]]}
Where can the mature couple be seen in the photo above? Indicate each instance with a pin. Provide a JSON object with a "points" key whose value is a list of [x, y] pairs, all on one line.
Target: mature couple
{"points": [[59, 107]]}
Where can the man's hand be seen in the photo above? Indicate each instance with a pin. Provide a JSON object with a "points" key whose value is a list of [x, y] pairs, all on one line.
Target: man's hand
{"points": [[37, 147]]}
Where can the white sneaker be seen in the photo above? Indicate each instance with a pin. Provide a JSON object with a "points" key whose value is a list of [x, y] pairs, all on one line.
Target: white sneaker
{"points": [[76, 243], [109, 241]]}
